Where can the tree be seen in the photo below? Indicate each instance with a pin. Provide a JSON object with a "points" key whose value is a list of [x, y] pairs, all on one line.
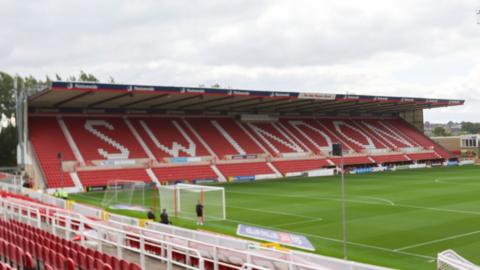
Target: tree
{"points": [[471, 128], [8, 135], [7, 95], [8, 144], [86, 77], [439, 131]]}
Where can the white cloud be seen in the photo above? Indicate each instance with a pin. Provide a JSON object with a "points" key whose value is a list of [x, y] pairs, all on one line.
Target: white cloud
{"points": [[421, 48]]}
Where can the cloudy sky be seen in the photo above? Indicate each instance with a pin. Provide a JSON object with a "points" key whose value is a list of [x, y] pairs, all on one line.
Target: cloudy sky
{"points": [[424, 48]]}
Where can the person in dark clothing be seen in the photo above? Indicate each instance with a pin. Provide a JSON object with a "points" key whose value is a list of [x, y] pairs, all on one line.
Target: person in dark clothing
{"points": [[151, 214], [199, 210], [26, 184], [164, 217]]}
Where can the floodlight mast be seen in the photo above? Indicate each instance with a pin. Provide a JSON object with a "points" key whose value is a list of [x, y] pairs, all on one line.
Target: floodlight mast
{"points": [[338, 151], [344, 210]]}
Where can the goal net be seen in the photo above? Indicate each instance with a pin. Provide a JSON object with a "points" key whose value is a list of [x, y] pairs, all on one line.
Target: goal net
{"points": [[450, 260], [125, 194], [181, 199]]}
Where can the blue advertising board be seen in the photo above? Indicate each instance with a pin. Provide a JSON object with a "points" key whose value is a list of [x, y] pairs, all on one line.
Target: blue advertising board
{"points": [[282, 238], [244, 178]]}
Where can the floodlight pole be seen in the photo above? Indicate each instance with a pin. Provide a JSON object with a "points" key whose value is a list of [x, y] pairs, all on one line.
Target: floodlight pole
{"points": [[344, 209], [60, 159]]}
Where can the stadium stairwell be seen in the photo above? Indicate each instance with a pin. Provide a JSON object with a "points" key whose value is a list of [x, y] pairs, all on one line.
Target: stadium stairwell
{"points": [[202, 141], [239, 124], [139, 139], [376, 140], [221, 177], [334, 136], [383, 135], [70, 140], [77, 182], [228, 138], [292, 135], [153, 177], [275, 170]]}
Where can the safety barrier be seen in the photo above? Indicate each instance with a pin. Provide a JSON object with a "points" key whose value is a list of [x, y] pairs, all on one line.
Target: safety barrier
{"points": [[215, 250], [105, 235]]}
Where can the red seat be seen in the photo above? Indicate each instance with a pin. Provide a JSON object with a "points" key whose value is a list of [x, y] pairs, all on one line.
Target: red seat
{"points": [[69, 264], [28, 262], [124, 265], [90, 262], [134, 266], [98, 265], [115, 263]]}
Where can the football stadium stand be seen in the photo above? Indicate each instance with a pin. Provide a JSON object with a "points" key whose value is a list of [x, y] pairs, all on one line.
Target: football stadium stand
{"points": [[82, 136], [170, 134]]}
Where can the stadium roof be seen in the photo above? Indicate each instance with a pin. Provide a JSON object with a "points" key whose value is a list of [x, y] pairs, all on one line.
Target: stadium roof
{"points": [[126, 97]]}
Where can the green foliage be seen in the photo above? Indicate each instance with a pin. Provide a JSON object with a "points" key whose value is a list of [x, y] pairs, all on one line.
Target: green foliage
{"points": [[439, 131], [8, 146], [30, 84], [7, 95], [471, 128]]}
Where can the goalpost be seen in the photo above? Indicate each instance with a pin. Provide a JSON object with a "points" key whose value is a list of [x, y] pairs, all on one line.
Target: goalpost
{"points": [[180, 200], [125, 194], [450, 260]]}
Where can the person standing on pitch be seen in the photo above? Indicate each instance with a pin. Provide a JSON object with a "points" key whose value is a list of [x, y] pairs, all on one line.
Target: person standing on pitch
{"points": [[150, 214], [164, 217], [199, 210]]}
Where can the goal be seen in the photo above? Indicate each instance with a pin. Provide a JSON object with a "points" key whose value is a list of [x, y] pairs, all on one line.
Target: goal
{"points": [[126, 195], [180, 200], [450, 260]]}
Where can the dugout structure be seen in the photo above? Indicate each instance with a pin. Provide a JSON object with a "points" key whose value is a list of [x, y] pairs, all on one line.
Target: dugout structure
{"points": [[181, 199]]}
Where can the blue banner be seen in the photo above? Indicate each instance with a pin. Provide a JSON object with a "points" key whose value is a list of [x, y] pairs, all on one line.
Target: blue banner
{"points": [[363, 170], [244, 178], [282, 238], [453, 163]]}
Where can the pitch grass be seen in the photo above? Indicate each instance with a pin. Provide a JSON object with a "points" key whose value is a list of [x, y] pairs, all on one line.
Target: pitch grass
{"points": [[396, 219]]}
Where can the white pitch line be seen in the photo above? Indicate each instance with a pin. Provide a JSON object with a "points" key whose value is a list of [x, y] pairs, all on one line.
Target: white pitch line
{"points": [[437, 240], [339, 240], [275, 212], [295, 223], [439, 209], [379, 199], [454, 181]]}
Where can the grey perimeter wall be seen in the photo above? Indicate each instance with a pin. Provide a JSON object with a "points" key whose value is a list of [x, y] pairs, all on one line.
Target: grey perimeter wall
{"points": [[414, 117]]}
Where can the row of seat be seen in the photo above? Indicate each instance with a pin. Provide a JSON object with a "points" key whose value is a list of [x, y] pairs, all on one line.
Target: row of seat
{"points": [[111, 137], [52, 251], [195, 172], [99, 138], [48, 140]]}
